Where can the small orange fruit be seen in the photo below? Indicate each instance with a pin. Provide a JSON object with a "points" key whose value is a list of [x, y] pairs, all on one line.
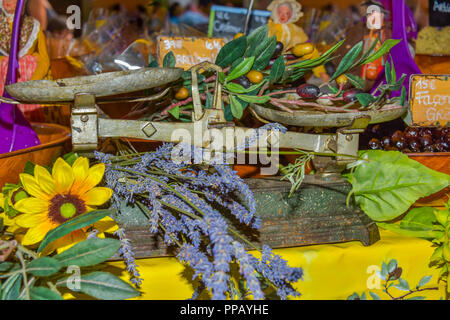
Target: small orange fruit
{"points": [[303, 49], [372, 74], [255, 77], [182, 94], [238, 35]]}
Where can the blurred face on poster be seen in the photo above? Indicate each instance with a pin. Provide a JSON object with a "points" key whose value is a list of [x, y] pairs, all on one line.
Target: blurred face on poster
{"points": [[284, 12], [375, 17]]}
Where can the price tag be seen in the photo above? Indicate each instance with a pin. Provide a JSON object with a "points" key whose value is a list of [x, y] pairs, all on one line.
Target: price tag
{"points": [[189, 52], [439, 13], [430, 100]]}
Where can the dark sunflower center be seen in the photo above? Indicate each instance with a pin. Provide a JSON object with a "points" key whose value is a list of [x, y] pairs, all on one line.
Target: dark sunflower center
{"points": [[64, 207]]}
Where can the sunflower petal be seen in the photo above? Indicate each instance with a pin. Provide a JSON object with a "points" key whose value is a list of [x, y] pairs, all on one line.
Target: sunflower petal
{"points": [[32, 187], [31, 220], [36, 234], [80, 169], [45, 180], [63, 175], [97, 196], [107, 224], [32, 205], [95, 176]]}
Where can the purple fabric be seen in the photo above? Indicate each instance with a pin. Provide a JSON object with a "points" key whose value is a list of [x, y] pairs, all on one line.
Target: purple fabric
{"points": [[401, 55], [15, 131]]}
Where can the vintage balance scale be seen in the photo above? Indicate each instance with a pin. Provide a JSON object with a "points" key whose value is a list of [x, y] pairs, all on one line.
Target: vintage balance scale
{"points": [[315, 214]]}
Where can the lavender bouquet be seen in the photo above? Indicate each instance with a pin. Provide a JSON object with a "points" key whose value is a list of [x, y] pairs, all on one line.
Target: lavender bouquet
{"points": [[181, 202]]}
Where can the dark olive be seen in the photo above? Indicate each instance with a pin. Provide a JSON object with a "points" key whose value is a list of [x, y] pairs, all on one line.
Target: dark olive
{"points": [[386, 141], [412, 133], [426, 140], [400, 145], [290, 57], [414, 145], [278, 50], [308, 91], [375, 144], [350, 95], [244, 81], [397, 136]]}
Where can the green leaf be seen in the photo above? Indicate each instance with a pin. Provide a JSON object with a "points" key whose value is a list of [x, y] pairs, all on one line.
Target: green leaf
{"points": [[262, 57], [403, 97], [277, 70], [410, 233], [384, 270], [419, 219], [389, 183], [356, 81], [417, 298], [11, 287], [175, 112], [441, 216], [311, 64], [365, 99], [438, 255], [89, 252], [255, 38], [424, 281], [7, 266], [43, 267], [388, 72], [29, 168], [42, 293], [236, 107], [237, 88], [348, 60], [222, 77], [169, 60], [402, 285], [385, 48], [392, 265], [104, 286], [354, 296], [363, 296], [152, 62], [374, 296], [254, 99], [70, 158], [232, 51], [82, 221], [242, 69]]}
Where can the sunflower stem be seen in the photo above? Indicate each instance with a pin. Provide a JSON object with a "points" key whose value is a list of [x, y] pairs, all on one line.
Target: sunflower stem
{"points": [[19, 255]]}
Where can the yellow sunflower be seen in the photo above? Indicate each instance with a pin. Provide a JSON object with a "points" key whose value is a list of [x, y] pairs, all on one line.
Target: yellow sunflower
{"points": [[66, 193]]}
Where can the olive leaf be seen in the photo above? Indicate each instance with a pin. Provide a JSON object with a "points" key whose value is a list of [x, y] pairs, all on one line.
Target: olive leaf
{"points": [[348, 60], [242, 69], [262, 57], [356, 81], [169, 60], [232, 51], [255, 38], [254, 99], [237, 88], [365, 99], [389, 183], [277, 70], [385, 48], [319, 60], [236, 107]]}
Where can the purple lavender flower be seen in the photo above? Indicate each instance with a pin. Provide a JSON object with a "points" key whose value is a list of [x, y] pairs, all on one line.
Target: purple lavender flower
{"points": [[128, 256]]}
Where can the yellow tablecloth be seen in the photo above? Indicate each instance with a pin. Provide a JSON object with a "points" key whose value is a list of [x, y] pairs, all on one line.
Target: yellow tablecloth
{"points": [[330, 271]]}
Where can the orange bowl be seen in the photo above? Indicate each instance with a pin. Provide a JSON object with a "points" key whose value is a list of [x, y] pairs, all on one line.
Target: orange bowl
{"points": [[53, 137], [439, 162]]}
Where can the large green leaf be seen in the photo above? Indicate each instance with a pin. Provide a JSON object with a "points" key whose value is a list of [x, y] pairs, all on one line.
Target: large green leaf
{"points": [[348, 60], [388, 183], [277, 70], [254, 99], [72, 225], [232, 51], [42, 293], [243, 68], [318, 61], [410, 233], [237, 88], [43, 267], [7, 266], [89, 252], [385, 48], [104, 286], [420, 219]]}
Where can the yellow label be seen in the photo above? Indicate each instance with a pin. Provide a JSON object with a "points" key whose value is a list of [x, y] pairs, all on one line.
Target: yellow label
{"points": [[189, 52], [430, 100]]}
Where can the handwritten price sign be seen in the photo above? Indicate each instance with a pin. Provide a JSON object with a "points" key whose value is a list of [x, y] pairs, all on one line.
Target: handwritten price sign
{"points": [[430, 100], [189, 52]]}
